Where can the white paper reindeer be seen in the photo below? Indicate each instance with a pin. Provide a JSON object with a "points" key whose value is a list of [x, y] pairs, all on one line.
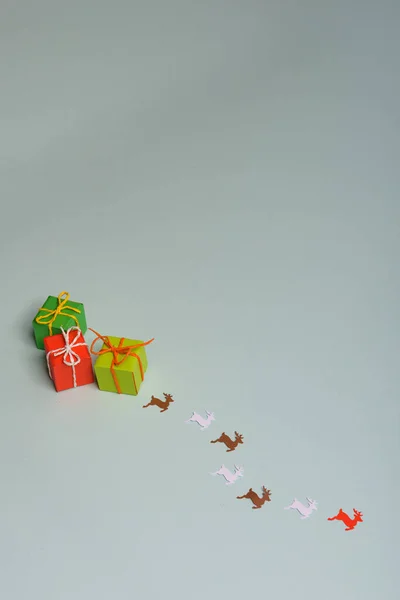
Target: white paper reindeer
{"points": [[204, 423], [228, 475], [304, 511]]}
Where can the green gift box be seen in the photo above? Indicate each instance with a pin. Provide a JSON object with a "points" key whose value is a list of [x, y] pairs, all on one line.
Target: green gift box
{"points": [[56, 313], [120, 365]]}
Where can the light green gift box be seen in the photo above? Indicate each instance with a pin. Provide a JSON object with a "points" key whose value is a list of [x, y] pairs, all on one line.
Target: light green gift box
{"points": [[121, 364]]}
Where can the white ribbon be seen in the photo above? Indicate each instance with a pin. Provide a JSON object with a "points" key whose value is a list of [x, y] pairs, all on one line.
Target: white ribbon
{"points": [[70, 358]]}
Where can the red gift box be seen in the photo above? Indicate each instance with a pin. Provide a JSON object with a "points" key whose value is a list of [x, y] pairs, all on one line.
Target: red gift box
{"points": [[68, 359]]}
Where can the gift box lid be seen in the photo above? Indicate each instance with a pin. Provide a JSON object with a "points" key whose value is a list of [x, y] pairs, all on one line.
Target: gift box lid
{"points": [[67, 318], [131, 361], [57, 342]]}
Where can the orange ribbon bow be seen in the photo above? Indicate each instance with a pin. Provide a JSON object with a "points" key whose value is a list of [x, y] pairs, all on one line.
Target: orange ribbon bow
{"points": [[123, 351]]}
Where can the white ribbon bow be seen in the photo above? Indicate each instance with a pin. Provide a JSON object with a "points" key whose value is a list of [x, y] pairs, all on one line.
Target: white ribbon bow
{"points": [[70, 358]]}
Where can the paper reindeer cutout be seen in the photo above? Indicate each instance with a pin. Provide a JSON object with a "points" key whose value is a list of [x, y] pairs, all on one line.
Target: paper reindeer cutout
{"points": [[162, 404], [229, 443], [304, 511], [229, 477], [256, 500], [344, 517], [204, 423]]}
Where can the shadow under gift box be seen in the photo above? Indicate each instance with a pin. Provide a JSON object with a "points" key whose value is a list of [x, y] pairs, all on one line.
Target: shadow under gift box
{"points": [[56, 313], [64, 375], [128, 375]]}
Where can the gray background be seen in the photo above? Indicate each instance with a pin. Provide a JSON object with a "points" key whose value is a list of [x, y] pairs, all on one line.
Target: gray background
{"points": [[222, 176]]}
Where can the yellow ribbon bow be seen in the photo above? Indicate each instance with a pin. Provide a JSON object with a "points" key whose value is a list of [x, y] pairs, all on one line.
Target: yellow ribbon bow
{"points": [[51, 315]]}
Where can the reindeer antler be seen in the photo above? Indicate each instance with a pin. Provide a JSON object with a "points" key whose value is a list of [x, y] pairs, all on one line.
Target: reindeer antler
{"points": [[238, 435], [266, 492]]}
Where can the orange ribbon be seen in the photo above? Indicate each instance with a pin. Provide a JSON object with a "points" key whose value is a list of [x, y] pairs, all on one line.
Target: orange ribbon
{"points": [[124, 351]]}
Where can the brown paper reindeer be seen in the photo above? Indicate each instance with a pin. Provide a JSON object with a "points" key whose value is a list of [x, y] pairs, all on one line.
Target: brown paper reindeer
{"points": [[255, 498], [162, 404], [229, 443]]}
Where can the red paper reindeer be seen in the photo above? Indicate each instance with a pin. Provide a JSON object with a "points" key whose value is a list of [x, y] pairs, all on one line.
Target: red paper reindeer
{"points": [[348, 521]]}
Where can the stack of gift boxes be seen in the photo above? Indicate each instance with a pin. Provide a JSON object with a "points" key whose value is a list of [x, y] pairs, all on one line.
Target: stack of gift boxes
{"points": [[59, 328]]}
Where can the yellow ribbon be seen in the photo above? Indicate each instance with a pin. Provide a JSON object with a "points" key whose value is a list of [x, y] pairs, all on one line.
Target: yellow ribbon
{"points": [[51, 315]]}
